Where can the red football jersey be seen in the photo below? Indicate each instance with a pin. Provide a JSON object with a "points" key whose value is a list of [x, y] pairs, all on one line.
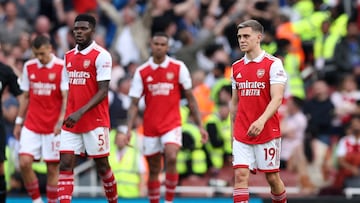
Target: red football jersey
{"points": [[85, 68], [161, 86], [252, 80], [44, 84]]}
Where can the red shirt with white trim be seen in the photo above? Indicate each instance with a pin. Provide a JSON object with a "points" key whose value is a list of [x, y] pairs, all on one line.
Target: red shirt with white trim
{"points": [[161, 86], [85, 68], [44, 84], [252, 80]]}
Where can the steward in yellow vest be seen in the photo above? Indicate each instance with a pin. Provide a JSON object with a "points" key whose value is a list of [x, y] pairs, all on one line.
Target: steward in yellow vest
{"points": [[191, 158], [218, 127], [128, 165]]}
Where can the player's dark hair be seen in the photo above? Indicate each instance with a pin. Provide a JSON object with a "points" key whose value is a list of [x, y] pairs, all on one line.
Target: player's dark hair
{"points": [[160, 34], [253, 24], [39, 41], [86, 17]]}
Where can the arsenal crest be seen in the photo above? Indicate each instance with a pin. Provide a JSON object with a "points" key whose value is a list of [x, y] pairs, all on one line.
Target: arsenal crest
{"points": [[86, 63], [52, 76], [170, 75], [260, 73]]}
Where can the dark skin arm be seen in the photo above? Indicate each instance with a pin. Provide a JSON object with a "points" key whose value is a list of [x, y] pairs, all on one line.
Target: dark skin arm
{"points": [[103, 87], [196, 114]]}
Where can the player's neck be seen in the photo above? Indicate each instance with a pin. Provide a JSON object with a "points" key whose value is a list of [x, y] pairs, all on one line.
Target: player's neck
{"points": [[253, 53], [84, 46], [158, 60]]}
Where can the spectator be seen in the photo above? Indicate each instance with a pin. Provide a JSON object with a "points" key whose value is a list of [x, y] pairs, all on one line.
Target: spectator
{"points": [[129, 165], [348, 154], [12, 26], [292, 157], [133, 31]]}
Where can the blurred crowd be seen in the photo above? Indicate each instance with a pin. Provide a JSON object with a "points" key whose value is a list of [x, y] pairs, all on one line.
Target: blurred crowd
{"points": [[317, 40]]}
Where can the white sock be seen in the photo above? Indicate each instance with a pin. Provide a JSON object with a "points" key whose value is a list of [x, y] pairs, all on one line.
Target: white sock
{"points": [[168, 202], [38, 200]]}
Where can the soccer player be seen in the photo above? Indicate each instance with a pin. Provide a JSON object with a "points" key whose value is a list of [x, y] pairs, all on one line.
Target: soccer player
{"points": [[8, 79], [42, 108], [161, 80], [86, 124], [258, 82]]}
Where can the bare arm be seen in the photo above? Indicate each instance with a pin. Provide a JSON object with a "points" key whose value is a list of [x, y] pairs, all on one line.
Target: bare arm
{"points": [[23, 105], [277, 93], [103, 88], [233, 110], [196, 114], [57, 128], [132, 113]]}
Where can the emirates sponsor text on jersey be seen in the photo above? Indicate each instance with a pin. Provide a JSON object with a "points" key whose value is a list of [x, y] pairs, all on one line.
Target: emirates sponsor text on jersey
{"points": [[161, 88], [250, 88], [41, 88], [78, 77]]}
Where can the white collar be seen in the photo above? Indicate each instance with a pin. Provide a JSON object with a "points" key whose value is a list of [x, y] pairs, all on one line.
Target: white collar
{"points": [[48, 65], [256, 60], [86, 50], [164, 64]]}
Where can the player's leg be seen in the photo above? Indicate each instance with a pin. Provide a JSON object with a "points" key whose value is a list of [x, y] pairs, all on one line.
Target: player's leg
{"points": [[243, 161], [268, 161], [70, 145], [97, 145], [2, 160], [172, 142], [152, 151], [30, 149], [50, 153]]}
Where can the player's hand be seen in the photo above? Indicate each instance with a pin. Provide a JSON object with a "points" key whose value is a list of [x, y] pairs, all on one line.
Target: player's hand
{"points": [[204, 135], [57, 128], [70, 121], [255, 128], [128, 137], [17, 131]]}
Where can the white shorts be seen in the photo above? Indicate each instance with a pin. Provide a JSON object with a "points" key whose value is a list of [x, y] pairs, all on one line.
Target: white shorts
{"points": [[39, 146], [95, 143], [263, 157], [154, 145]]}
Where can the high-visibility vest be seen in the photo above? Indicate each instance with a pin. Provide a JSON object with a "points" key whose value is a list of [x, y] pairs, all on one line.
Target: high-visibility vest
{"points": [[225, 126], [126, 170], [270, 48], [310, 26], [304, 7], [339, 25], [182, 159], [216, 153], [295, 82], [197, 155], [324, 46]]}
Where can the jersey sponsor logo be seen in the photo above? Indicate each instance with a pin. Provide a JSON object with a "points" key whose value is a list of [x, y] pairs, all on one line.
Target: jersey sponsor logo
{"points": [[239, 75], [260, 73], [78, 77], [86, 63], [161, 88], [107, 64], [52, 76], [170, 75], [281, 73], [248, 88], [42, 88], [149, 79]]}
